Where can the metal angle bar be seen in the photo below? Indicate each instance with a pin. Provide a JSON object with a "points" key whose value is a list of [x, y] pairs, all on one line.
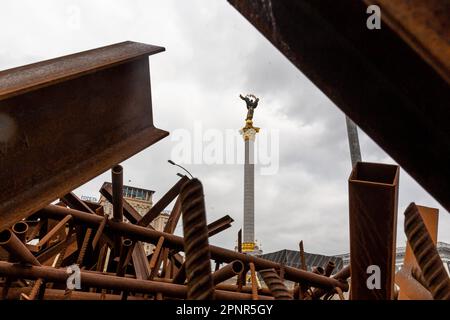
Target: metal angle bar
{"points": [[219, 225], [43, 159], [140, 263], [53, 231], [230, 270], [72, 201], [162, 203]]}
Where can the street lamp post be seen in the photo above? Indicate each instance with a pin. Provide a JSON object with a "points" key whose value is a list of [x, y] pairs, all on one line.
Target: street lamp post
{"points": [[175, 164]]}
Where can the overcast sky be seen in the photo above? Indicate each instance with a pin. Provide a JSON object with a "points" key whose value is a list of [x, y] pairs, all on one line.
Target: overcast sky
{"points": [[212, 55]]}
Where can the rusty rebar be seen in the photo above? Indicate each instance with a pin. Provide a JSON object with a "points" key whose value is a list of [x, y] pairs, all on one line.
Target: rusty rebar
{"points": [[276, 286], [84, 246], [198, 257], [341, 276], [426, 254], [34, 290]]}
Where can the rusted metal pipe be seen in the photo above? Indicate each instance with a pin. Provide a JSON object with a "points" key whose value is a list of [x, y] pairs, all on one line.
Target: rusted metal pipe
{"points": [[239, 244], [329, 268], [175, 242], [20, 229], [373, 197], [111, 282], [56, 294], [426, 254], [219, 225], [196, 247], [276, 286], [156, 258], [117, 189], [16, 248], [230, 270], [341, 276], [318, 270]]}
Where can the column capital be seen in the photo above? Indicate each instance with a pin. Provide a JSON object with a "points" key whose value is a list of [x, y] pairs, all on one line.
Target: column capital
{"points": [[249, 131]]}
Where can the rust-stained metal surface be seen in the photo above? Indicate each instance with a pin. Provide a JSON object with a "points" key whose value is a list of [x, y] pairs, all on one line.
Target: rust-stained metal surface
{"points": [[424, 26], [175, 242], [426, 254], [104, 94], [407, 278], [162, 203], [198, 256], [395, 90], [16, 248], [90, 279], [230, 270], [373, 198], [276, 286], [219, 225]]}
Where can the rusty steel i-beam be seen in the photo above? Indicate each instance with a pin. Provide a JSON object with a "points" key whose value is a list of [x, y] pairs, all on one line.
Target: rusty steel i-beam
{"points": [[104, 94]]}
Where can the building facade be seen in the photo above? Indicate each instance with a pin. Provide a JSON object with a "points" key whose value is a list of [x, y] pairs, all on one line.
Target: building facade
{"points": [[142, 201], [442, 248]]}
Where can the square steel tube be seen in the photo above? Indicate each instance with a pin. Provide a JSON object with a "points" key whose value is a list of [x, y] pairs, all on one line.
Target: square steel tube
{"points": [[373, 198], [66, 120]]}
